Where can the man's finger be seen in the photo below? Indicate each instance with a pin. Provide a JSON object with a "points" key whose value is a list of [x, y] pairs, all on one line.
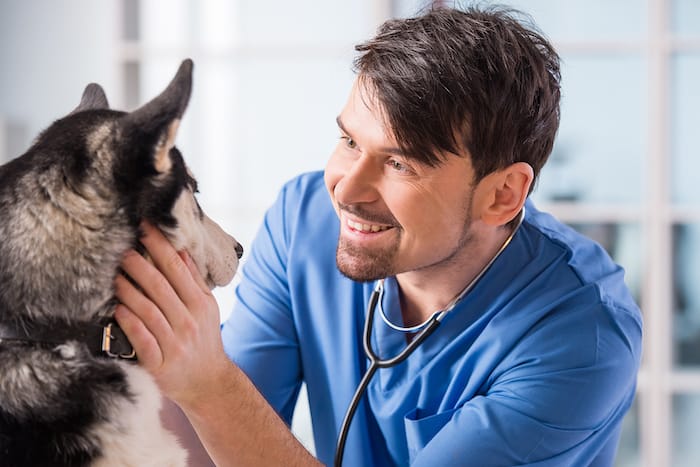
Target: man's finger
{"points": [[144, 343], [170, 263], [158, 307], [194, 271], [163, 302]]}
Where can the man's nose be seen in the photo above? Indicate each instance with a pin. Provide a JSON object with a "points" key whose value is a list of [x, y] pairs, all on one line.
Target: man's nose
{"points": [[358, 183]]}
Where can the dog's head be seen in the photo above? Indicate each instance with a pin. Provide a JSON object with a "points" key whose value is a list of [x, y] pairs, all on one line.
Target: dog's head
{"points": [[72, 204], [144, 142], [148, 171]]}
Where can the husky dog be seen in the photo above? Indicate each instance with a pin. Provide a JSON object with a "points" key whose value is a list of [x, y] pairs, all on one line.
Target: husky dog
{"points": [[70, 207]]}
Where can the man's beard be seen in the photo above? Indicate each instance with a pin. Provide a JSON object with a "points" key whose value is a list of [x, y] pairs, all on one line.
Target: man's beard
{"points": [[365, 265], [362, 265]]}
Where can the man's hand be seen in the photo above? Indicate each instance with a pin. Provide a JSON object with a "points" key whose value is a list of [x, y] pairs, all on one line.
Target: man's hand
{"points": [[173, 321], [173, 324]]}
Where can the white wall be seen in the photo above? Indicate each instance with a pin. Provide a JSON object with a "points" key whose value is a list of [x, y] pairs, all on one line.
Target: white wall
{"points": [[49, 51]]}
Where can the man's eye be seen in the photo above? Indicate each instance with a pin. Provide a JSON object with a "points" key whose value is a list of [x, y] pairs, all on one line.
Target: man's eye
{"points": [[398, 166], [349, 142]]}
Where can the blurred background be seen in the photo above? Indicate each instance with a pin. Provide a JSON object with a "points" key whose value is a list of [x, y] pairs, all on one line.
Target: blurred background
{"points": [[271, 76]]}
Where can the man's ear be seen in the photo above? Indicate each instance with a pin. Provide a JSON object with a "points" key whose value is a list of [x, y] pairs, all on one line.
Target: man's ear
{"points": [[504, 192]]}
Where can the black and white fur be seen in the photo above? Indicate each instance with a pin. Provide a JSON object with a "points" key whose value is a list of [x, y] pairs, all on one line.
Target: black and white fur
{"points": [[69, 209]]}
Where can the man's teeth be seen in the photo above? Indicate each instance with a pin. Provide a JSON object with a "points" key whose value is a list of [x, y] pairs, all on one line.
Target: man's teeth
{"points": [[366, 227]]}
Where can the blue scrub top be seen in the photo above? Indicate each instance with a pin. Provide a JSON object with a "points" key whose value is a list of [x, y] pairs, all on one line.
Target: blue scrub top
{"points": [[536, 366]]}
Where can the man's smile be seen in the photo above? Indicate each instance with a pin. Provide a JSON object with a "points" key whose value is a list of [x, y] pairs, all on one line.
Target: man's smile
{"points": [[365, 228]]}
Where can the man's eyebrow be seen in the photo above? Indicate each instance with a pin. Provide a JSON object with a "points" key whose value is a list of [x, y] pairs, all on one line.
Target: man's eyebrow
{"points": [[340, 125], [387, 149]]}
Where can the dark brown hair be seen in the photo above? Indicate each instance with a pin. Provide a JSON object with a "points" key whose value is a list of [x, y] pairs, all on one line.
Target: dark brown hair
{"points": [[481, 79]]}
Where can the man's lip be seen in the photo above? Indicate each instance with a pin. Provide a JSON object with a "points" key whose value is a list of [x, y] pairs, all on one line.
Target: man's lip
{"points": [[360, 215], [365, 227]]}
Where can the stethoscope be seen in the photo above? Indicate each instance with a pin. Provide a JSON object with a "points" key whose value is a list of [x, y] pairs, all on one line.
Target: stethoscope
{"points": [[423, 329]]}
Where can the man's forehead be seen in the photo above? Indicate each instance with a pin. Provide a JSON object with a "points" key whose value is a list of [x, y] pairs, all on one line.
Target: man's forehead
{"points": [[364, 113]]}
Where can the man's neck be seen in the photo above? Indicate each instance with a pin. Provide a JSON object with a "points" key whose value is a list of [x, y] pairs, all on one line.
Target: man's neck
{"points": [[425, 291]]}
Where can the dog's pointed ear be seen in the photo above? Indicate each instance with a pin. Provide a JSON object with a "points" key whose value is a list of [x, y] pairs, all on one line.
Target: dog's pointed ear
{"points": [[93, 98], [161, 116]]}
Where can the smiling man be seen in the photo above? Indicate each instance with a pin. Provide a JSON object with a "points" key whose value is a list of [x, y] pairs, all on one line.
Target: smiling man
{"points": [[521, 341], [405, 214]]}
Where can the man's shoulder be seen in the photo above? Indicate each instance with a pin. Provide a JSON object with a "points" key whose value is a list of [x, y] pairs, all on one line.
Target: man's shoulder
{"points": [[580, 250], [306, 210], [304, 195], [304, 184], [581, 262]]}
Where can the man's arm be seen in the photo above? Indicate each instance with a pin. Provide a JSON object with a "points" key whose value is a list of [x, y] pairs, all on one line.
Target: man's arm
{"points": [[173, 323], [175, 421]]}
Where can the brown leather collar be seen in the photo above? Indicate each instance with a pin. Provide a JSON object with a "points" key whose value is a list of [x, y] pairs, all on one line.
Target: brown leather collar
{"points": [[103, 339]]}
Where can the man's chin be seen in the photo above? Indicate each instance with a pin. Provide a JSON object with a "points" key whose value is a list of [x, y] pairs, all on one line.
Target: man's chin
{"points": [[358, 276], [362, 270]]}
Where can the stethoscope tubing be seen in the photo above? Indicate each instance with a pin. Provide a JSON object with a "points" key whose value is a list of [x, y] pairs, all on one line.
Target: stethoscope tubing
{"points": [[426, 329], [375, 363]]}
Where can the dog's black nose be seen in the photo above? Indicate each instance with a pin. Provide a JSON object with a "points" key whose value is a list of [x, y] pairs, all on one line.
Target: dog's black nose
{"points": [[239, 250]]}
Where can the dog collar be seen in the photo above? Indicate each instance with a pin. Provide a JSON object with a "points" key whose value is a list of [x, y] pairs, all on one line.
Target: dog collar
{"points": [[102, 339]]}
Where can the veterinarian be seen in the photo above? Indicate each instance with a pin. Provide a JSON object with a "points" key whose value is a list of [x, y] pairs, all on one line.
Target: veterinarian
{"points": [[519, 342]]}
